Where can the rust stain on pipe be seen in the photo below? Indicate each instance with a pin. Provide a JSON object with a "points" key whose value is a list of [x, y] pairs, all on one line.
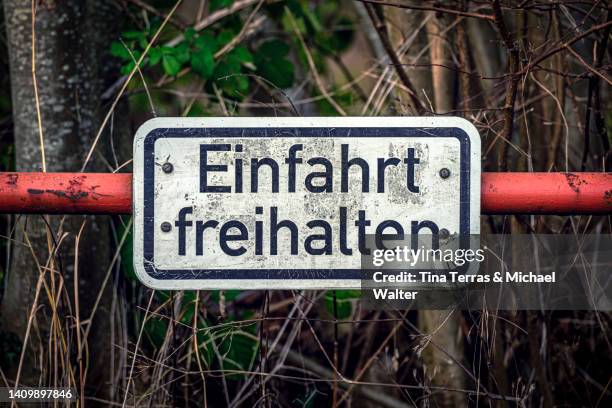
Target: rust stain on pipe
{"points": [[68, 193]]}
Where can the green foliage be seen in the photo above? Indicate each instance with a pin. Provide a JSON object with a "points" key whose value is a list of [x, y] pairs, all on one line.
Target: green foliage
{"points": [[238, 349], [229, 295], [344, 302], [202, 57], [325, 26], [343, 98], [219, 4], [155, 330], [224, 64], [230, 346], [211, 55], [228, 73], [272, 63]]}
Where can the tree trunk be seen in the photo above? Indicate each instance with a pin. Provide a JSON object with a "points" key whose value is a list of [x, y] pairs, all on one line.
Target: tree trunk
{"points": [[445, 330], [71, 43]]}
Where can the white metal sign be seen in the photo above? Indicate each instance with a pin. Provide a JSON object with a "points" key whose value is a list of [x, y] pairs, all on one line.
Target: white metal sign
{"points": [[264, 203]]}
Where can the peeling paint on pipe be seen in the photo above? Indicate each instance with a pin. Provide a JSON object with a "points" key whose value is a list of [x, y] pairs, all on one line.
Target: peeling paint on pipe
{"points": [[546, 193], [65, 193], [501, 193]]}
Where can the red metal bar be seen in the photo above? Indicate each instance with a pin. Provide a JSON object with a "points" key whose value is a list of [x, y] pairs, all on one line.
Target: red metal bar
{"points": [[502, 193], [546, 193], [66, 193]]}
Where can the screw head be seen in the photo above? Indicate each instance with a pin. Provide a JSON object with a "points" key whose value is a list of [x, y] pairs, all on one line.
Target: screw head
{"points": [[167, 167], [444, 233], [444, 173], [166, 226]]}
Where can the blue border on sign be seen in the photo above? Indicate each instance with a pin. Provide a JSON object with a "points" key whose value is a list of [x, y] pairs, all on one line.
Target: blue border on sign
{"points": [[283, 274]]}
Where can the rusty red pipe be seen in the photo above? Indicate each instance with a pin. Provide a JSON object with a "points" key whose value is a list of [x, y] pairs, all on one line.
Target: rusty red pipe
{"points": [[501, 193], [66, 193], [546, 193]]}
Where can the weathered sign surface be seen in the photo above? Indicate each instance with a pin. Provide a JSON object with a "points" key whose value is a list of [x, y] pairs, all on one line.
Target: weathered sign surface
{"points": [[287, 202]]}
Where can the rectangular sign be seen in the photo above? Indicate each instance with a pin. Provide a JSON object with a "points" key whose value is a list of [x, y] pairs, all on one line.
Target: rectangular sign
{"points": [[271, 203]]}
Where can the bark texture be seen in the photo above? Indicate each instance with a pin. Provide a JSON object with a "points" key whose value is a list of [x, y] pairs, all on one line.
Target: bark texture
{"points": [[72, 39]]}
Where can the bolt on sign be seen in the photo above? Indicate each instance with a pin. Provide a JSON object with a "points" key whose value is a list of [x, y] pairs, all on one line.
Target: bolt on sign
{"points": [[263, 203]]}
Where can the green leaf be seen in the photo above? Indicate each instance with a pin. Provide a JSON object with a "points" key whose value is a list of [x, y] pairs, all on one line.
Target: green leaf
{"points": [[218, 4], [230, 295], [206, 350], [127, 68], [155, 56], [337, 40], [155, 330], [225, 37], [271, 64], [242, 84], [188, 308], [182, 52], [242, 54], [347, 294], [344, 305], [119, 50], [206, 41], [279, 73], [133, 35], [235, 86], [203, 63], [343, 98], [274, 49], [171, 65], [189, 34], [312, 18], [344, 308], [238, 349], [327, 9], [167, 50]]}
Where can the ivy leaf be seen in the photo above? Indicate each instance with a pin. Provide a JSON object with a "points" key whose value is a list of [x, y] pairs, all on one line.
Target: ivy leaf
{"points": [[171, 65], [242, 54], [189, 34], [167, 50], [272, 65], [138, 36], [280, 74], [228, 76], [242, 84], [155, 56], [203, 63], [225, 37], [182, 52], [206, 41], [118, 50], [274, 49], [127, 68]]}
